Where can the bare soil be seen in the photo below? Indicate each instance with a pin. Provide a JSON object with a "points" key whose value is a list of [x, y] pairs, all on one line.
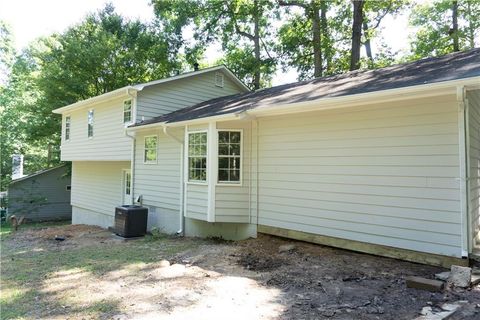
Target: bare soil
{"points": [[95, 275]]}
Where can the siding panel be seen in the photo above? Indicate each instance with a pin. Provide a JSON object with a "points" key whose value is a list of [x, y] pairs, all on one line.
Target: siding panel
{"points": [[474, 165], [167, 97], [384, 174]]}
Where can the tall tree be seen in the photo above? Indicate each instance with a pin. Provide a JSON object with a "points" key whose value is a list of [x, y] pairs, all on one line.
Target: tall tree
{"points": [[356, 33], [315, 12], [444, 26], [239, 25]]}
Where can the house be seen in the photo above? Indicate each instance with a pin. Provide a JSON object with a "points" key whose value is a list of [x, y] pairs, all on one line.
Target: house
{"points": [[384, 161], [41, 196]]}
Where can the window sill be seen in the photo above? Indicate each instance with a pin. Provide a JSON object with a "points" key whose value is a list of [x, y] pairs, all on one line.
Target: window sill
{"points": [[197, 183], [227, 184]]}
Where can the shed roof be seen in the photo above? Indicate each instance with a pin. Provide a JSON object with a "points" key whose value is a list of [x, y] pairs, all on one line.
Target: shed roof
{"points": [[459, 65], [38, 173]]}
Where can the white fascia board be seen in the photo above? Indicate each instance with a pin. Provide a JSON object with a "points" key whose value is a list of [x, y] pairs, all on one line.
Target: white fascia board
{"points": [[97, 99], [425, 90], [140, 87]]}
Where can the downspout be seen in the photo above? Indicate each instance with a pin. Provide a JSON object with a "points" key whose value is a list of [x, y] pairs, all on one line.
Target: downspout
{"points": [[182, 218], [463, 152], [134, 142]]}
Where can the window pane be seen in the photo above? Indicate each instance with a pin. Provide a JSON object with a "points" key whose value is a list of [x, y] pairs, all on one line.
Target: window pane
{"points": [[234, 175], [234, 163], [203, 150], [203, 137], [222, 175], [223, 136], [235, 137], [223, 163], [223, 149], [234, 149]]}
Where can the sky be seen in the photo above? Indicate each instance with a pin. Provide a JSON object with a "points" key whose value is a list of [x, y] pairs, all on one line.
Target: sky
{"points": [[30, 19]]}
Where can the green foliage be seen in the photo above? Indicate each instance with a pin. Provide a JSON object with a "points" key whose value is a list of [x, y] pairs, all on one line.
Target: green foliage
{"points": [[238, 25], [433, 21]]}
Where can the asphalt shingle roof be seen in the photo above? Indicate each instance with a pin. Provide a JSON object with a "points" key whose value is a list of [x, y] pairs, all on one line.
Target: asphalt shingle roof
{"points": [[453, 66]]}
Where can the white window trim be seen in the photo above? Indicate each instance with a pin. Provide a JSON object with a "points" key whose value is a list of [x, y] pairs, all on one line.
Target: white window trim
{"points": [[131, 112], [65, 128], [231, 183], [93, 124], [145, 161], [187, 180], [222, 84]]}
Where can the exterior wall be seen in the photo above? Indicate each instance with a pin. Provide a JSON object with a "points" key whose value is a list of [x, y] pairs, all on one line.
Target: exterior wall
{"points": [[97, 189], [50, 186], [473, 98], [170, 96], [232, 201], [159, 184], [108, 143], [384, 174]]}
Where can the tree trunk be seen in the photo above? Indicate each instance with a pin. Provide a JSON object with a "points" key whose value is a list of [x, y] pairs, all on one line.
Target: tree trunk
{"points": [[317, 40], [367, 44], [256, 43], [356, 34], [327, 52], [456, 46], [471, 28]]}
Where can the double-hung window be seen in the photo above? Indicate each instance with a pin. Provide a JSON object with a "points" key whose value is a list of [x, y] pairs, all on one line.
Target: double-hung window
{"points": [[67, 127], [229, 156], [127, 111], [150, 154], [197, 156], [90, 123]]}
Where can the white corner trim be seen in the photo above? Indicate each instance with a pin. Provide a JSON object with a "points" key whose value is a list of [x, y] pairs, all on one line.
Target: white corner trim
{"points": [[212, 163], [463, 177]]}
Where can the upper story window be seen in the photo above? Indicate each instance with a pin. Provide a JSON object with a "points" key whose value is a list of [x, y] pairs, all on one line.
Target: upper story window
{"points": [[219, 80], [90, 123], [150, 153], [229, 156], [67, 127], [197, 156], [127, 111]]}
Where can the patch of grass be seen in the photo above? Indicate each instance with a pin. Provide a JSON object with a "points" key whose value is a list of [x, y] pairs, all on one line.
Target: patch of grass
{"points": [[25, 273], [6, 228]]}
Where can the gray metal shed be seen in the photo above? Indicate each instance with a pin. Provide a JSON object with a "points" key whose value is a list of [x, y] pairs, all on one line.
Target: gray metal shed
{"points": [[42, 196]]}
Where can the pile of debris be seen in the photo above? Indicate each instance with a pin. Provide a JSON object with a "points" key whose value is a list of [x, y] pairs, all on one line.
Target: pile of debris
{"points": [[458, 278]]}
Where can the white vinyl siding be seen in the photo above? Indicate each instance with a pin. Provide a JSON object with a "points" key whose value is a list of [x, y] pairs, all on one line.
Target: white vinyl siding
{"points": [[109, 142], [232, 200], [473, 98], [168, 97], [97, 186], [159, 184], [197, 202], [384, 174]]}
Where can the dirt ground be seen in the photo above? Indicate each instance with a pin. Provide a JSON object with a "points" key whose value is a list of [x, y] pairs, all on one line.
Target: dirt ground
{"points": [[95, 275]]}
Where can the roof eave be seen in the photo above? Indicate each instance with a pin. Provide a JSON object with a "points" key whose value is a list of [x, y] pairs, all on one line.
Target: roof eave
{"points": [[396, 94], [97, 99]]}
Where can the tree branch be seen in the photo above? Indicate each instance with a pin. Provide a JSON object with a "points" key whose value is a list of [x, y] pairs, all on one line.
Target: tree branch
{"points": [[292, 3]]}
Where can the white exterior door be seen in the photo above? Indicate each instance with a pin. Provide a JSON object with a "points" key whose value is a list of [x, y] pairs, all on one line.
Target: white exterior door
{"points": [[127, 186]]}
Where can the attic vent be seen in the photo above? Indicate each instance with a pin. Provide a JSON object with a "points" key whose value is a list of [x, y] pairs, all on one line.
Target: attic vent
{"points": [[219, 79]]}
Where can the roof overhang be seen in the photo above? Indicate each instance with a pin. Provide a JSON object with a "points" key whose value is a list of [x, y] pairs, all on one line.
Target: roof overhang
{"points": [[383, 96], [112, 95], [132, 90]]}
